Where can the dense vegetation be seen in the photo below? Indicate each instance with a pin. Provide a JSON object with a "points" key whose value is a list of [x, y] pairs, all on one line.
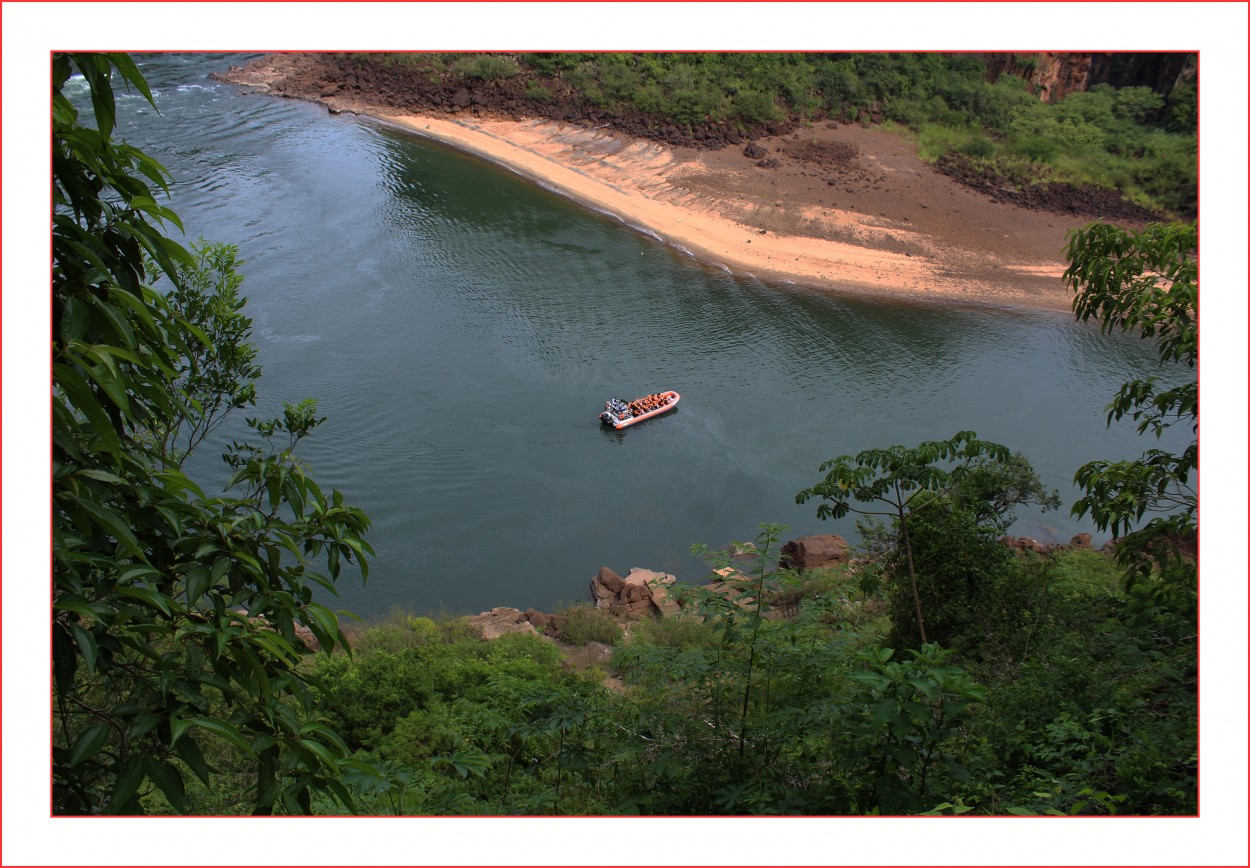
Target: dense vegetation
{"points": [[1133, 139], [943, 674]]}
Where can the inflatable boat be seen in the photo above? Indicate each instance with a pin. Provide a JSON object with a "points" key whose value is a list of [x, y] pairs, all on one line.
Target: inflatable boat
{"points": [[622, 414]]}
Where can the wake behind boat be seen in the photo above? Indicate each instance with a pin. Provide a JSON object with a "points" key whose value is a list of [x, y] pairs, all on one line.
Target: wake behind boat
{"points": [[622, 414]]}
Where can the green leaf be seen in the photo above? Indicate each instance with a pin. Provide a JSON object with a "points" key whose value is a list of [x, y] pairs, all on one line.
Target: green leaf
{"points": [[64, 659], [198, 582], [321, 752], [189, 750], [112, 523], [88, 743], [128, 781], [167, 778], [324, 624], [150, 598], [224, 731], [86, 646]]}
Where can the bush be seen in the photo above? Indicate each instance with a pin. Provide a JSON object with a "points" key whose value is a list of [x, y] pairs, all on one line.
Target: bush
{"points": [[682, 631], [1038, 149], [582, 625], [980, 147], [486, 67]]}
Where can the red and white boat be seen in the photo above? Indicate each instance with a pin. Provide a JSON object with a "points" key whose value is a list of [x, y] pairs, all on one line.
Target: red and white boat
{"points": [[622, 414]]}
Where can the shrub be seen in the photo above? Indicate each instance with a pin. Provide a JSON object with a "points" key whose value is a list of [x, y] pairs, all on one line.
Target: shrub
{"points": [[978, 147], [1038, 149], [537, 92], [582, 625], [682, 631], [486, 67]]}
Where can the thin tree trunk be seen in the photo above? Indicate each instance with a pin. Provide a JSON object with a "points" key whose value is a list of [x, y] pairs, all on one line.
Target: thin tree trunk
{"points": [[911, 569]]}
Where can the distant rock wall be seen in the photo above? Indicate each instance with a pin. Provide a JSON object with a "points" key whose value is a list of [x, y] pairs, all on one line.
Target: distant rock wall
{"points": [[1052, 75]]}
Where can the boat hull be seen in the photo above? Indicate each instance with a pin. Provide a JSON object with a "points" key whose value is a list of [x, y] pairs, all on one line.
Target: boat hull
{"points": [[673, 398]]}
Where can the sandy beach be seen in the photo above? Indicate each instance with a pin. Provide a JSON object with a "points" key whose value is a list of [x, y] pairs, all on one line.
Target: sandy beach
{"points": [[843, 208]]}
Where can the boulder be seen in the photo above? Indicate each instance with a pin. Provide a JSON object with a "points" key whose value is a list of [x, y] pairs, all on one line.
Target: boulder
{"points": [[814, 552], [1081, 541], [605, 587], [1027, 544], [633, 596], [501, 620], [540, 620], [755, 151], [610, 580], [461, 98]]}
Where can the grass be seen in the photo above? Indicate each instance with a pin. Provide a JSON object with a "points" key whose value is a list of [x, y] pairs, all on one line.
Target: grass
{"points": [[581, 625]]}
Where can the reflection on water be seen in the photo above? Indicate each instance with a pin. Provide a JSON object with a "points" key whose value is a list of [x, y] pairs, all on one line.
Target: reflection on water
{"points": [[462, 328]]}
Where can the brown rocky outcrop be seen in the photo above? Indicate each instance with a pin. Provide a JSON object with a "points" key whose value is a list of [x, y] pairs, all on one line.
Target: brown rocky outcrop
{"points": [[1052, 75], [1027, 544], [814, 552], [501, 620], [641, 593]]}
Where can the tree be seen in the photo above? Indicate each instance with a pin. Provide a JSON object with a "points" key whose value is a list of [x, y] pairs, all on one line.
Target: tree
{"points": [[1145, 280], [173, 613], [905, 481], [218, 372]]}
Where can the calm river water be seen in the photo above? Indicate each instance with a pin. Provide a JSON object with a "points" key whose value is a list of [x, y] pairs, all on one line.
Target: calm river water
{"points": [[462, 328]]}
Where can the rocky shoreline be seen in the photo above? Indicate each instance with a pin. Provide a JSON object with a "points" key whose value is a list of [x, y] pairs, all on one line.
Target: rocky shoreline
{"points": [[644, 593], [835, 206]]}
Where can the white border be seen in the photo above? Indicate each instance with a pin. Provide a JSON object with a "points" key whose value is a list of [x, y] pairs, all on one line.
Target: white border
{"points": [[31, 31]]}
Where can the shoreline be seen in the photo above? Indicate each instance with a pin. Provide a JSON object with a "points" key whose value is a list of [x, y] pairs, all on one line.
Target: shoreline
{"points": [[841, 209], [630, 181]]}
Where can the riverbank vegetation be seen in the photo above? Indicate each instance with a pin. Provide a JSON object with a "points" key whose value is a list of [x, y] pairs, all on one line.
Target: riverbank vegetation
{"points": [[938, 673], [982, 123]]}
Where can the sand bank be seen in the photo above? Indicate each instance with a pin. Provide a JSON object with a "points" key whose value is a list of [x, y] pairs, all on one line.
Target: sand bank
{"points": [[689, 199]]}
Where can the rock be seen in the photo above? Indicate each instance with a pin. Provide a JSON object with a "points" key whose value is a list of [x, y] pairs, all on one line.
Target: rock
{"points": [[1027, 544], [755, 151], [814, 552], [500, 620], [461, 98], [597, 653], [306, 636], [540, 620], [610, 580], [641, 593], [605, 587], [1081, 541]]}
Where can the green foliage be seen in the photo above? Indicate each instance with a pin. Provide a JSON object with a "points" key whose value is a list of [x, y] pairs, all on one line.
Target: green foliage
{"points": [[218, 372], [173, 612], [959, 566], [486, 67], [1145, 280], [907, 720], [681, 631], [537, 92], [582, 625], [904, 481]]}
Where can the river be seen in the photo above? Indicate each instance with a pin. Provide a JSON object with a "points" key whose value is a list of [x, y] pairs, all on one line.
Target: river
{"points": [[462, 327]]}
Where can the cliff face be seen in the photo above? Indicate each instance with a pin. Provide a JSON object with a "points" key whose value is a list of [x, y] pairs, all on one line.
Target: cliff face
{"points": [[1053, 75]]}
